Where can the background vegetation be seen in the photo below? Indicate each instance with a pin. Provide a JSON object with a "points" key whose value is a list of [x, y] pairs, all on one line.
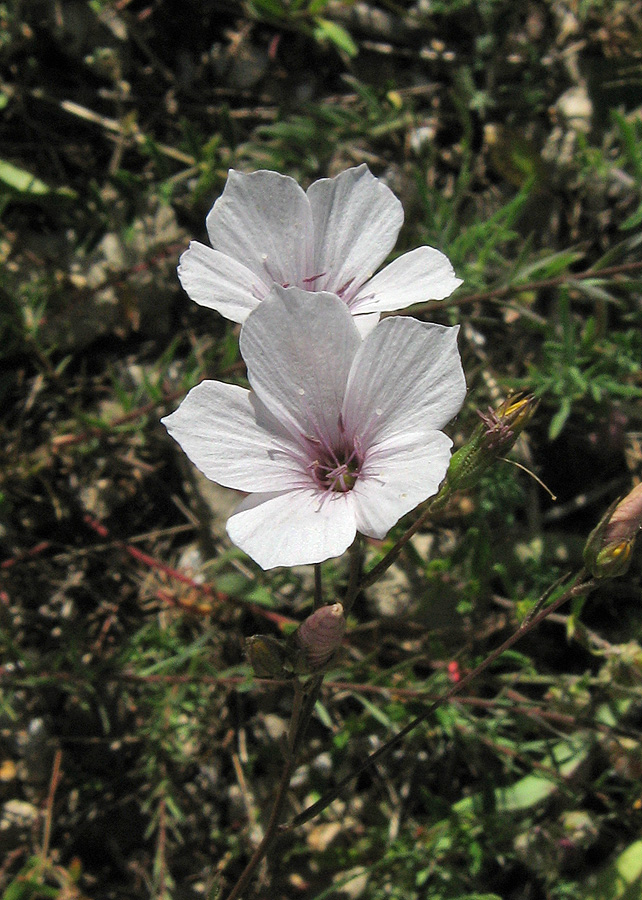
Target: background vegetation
{"points": [[137, 754]]}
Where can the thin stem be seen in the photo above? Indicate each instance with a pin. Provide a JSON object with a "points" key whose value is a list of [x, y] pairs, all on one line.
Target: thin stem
{"points": [[356, 565], [527, 286], [271, 830], [526, 626], [312, 692], [318, 587], [377, 571], [298, 726], [53, 786]]}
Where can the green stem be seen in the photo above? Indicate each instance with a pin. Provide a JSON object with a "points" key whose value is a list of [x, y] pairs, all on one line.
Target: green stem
{"points": [[356, 565], [576, 590], [377, 571], [318, 587], [526, 286], [301, 716]]}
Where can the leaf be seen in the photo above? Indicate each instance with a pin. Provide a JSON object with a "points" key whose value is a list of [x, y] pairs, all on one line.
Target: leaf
{"points": [[630, 141], [22, 181], [548, 266], [633, 220], [622, 879], [478, 897], [524, 794], [531, 790], [327, 30], [28, 889], [559, 419], [374, 711], [268, 7], [515, 157]]}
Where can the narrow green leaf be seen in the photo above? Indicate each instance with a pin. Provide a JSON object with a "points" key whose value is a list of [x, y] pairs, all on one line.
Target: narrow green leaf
{"points": [[21, 181], [327, 30], [622, 879], [531, 790], [632, 146], [317, 6], [559, 419], [633, 220], [268, 7]]}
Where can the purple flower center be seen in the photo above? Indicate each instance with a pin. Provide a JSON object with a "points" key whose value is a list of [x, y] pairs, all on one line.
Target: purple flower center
{"points": [[335, 468], [345, 292]]}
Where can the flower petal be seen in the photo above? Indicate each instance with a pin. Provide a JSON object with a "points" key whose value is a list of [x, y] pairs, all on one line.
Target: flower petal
{"points": [[356, 223], [423, 274], [215, 280], [293, 528], [299, 347], [406, 377], [263, 221], [366, 323], [397, 475], [234, 440]]}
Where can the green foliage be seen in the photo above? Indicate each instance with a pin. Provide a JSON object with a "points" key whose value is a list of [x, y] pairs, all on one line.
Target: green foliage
{"points": [[580, 365], [125, 637], [306, 16], [303, 142], [38, 880]]}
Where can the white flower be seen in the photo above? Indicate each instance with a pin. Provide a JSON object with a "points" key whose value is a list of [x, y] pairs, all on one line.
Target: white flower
{"points": [[265, 230], [336, 436]]}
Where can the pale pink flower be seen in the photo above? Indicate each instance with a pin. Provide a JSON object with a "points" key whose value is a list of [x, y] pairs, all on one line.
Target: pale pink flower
{"points": [[337, 435], [265, 230]]}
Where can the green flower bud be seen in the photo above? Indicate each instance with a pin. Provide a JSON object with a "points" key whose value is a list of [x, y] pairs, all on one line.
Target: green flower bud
{"points": [[267, 656], [498, 431], [607, 553], [320, 635]]}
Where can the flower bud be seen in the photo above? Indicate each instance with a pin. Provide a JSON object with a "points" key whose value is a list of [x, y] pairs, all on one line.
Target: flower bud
{"points": [[320, 634], [498, 431], [607, 553], [267, 656]]}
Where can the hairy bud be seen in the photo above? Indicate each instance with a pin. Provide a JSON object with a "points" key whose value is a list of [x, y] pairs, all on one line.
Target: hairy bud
{"points": [[320, 634], [498, 431], [607, 553]]}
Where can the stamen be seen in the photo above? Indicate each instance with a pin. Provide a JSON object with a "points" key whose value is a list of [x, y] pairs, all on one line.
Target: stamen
{"points": [[271, 274], [366, 297], [336, 469], [342, 290]]}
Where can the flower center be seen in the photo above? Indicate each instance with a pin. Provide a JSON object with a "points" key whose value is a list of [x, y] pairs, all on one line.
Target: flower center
{"points": [[336, 469]]}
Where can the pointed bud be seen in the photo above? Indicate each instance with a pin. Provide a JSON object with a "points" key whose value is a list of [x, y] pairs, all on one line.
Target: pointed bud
{"points": [[498, 431], [608, 549], [267, 656], [320, 634]]}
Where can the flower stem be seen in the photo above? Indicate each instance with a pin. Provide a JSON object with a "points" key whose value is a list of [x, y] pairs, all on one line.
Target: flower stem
{"points": [[354, 577], [298, 726], [377, 571], [270, 831], [505, 290], [578, 588]]}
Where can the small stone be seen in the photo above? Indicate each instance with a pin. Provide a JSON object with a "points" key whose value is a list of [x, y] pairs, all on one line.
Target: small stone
{"points": [[575, 108], [320, 838], [8, 770], [18, 813], [275, 726], [356, 886]]}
